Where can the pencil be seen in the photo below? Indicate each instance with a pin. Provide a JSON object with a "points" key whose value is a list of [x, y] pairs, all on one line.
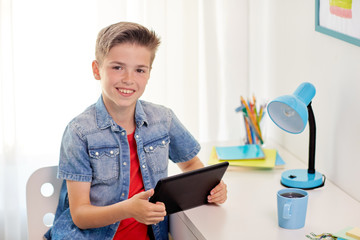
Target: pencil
{"points": [[257, 115], [252, 119], [248, 132], [256, 133]]}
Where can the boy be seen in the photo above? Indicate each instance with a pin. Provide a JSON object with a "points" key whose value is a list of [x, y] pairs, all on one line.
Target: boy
{"points": [[113, 154]]}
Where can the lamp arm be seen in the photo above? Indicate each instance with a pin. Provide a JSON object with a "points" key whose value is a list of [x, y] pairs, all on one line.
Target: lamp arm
{"points": [[312, 139]]}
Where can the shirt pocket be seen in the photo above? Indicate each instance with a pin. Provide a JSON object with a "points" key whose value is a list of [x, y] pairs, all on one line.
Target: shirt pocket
{"points": [[105, 163], [157, 154]]}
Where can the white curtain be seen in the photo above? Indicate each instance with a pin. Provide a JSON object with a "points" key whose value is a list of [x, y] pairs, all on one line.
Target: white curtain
{"points": [[46, 49]]}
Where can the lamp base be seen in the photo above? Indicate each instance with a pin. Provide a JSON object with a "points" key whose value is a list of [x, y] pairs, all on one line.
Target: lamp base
{"points": [[300, 178]]}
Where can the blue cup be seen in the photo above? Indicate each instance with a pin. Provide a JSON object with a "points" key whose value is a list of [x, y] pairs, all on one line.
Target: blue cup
{"points": [[292, 206]]}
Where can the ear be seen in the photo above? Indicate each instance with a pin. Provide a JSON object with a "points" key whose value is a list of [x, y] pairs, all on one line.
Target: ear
{"points": [[96, 71]]}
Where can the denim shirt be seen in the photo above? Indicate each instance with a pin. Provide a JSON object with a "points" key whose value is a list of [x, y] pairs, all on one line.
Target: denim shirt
{"points": [[95, 149]]}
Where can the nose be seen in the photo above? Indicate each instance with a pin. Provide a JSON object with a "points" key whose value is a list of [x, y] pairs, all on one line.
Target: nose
{"points": [[127, 77]]}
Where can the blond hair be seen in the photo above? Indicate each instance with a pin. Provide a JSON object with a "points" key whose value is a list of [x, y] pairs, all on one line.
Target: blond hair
{"points": [[125, 32]]}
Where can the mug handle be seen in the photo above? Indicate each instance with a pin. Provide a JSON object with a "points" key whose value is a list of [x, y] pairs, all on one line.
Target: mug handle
{"points": [[286, 212]]}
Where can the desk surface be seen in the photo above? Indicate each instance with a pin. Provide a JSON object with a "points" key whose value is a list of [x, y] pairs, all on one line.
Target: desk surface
{"points": [[251, 211]]}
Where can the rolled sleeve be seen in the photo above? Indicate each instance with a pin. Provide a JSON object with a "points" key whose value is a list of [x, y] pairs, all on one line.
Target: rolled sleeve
{"points": [[183, 146], [74, 161]]}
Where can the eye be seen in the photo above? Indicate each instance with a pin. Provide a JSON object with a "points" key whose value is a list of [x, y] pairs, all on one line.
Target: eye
{"points": [[139, 70], [117, 67]]}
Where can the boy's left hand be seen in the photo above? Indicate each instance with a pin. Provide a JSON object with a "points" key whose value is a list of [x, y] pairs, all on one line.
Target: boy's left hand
{"points": [[218, 194]]}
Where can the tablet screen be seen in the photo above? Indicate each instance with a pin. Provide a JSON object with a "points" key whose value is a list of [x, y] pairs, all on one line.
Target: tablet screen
{"points": [[190, 189]]}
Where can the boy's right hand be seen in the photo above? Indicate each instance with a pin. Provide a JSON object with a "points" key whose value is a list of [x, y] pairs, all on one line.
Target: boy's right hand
{"points": [[144, 211]]}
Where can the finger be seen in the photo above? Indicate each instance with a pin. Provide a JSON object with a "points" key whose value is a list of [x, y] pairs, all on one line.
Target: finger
{"points": [[218, 195], [155, 217], [150, 192], [146, 195], [157, 214], [217, 199], [160, 204], [154, 220], [159, 207], [218, 188]]}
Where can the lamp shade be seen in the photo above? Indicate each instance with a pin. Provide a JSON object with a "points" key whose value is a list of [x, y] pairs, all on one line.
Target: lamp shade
{"points": [[289, 112]]}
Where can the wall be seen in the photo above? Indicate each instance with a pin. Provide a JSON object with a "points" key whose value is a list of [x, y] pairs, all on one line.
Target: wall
{"points": [[285, 50]]}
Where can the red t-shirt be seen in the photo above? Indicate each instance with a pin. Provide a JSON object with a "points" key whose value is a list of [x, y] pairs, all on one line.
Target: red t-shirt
{"points": [[130, 228]]}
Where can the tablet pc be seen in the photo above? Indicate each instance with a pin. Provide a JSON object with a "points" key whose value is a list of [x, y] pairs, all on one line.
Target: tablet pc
{"points": [[190, 189]]}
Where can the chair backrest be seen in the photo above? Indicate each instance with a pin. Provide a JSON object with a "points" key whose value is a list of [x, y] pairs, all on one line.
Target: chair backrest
{"points": [[42, 196]]}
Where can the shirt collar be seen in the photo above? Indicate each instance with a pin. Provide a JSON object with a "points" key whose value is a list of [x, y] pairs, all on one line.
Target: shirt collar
{"points": [[104, 120], [140, 115]]}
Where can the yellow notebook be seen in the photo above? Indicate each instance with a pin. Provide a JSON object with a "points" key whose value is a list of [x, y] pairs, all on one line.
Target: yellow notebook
{"points": [[268, 162]]}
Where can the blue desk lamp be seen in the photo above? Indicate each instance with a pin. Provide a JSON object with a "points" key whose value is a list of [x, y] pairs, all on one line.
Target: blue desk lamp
{"points": [[291, 113]]}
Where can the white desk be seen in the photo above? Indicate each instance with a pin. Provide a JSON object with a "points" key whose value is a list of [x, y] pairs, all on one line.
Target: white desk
{"points": [[251, 211]]}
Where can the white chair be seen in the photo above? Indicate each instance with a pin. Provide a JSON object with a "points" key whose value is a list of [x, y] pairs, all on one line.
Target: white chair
{"points": [[42, 196]]}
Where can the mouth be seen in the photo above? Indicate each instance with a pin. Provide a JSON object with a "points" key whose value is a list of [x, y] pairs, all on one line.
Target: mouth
{"points": [[125, 91]]}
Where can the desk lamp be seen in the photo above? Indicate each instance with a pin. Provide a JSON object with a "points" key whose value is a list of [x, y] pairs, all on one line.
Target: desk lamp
{"points": [[291, 113]]}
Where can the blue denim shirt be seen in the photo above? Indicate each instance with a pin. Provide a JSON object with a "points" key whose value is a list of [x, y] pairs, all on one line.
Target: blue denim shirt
{"points": [[95, 149]]}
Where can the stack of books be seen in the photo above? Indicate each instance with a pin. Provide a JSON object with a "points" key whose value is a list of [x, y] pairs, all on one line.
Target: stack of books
{"points": [[248, 155]]}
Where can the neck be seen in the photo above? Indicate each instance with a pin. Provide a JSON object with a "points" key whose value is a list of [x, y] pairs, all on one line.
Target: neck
{"points": [[126, 120], [124, 117]]}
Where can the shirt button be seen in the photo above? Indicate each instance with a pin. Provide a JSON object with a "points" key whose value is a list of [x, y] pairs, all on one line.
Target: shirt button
{"points": [[97, 153], [123, 194], [137, 136], [151, 148], [124, 163], [111, 152], [143, 166], [123, 133], [163, 142]]}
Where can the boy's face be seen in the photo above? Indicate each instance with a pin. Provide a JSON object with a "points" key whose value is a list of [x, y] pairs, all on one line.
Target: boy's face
{"points": [[124, 74]]}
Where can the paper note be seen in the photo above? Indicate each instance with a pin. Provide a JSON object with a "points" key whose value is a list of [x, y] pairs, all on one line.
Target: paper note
{"points": [[268, 162], [342, 234], [247, 151]]}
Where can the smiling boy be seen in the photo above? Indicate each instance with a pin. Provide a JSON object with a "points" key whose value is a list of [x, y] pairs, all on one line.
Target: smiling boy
{"points": [[113, 154]]}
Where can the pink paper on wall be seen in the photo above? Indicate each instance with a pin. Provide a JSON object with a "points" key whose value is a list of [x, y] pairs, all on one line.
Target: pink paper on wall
{"points": [[341, 8]]}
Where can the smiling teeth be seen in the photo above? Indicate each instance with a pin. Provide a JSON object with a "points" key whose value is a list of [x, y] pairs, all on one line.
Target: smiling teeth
{"points": [[126, 91]]}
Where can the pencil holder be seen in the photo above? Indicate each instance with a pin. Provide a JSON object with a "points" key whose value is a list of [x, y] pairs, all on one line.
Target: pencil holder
{"points": [[253, 117]]}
